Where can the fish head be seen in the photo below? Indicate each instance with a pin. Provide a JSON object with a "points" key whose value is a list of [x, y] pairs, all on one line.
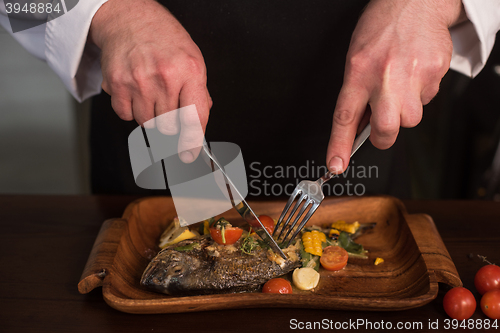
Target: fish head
{"points": [[170, 271]]}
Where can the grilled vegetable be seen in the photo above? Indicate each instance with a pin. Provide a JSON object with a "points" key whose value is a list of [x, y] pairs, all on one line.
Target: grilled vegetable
{"points": [[334, 258], [226, 235], [333, 233], [344, 226], [277, 286], [349, 245], [305, 278], [312, 241], [175, 234]]}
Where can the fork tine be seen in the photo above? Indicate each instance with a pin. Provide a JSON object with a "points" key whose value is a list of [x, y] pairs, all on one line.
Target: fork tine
{"points": [[285, 210], [304, 221], [294, 209], [302, 210]]}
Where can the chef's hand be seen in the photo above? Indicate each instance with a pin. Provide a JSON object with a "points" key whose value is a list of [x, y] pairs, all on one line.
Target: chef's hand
{"points": [[399, 52], [151, 66]]}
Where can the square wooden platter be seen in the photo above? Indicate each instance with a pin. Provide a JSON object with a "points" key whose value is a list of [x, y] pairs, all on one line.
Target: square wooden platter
{"points": [[415, 257]]}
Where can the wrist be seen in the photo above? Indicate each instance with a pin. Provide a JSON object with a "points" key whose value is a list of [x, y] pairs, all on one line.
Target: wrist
{"points": [[98, 23], [116, 16], [449, 12]]}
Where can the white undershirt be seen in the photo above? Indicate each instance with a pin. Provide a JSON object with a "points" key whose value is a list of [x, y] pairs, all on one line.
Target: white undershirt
{"points": [[62, 43]]}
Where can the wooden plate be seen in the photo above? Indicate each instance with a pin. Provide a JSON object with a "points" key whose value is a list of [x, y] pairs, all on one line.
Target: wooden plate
{"points": [[415, 261]]}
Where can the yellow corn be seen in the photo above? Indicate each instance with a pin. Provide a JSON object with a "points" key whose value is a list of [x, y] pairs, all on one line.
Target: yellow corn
{"points": [[333, 232], [378, 261], [312, 242], [206, 227], [344, 226]]}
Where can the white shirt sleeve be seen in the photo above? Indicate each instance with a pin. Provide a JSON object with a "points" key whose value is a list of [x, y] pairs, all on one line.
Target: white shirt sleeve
{"points": [[474, 40], [62, 43]]}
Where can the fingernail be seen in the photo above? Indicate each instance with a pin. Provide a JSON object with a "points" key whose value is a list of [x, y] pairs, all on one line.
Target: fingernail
{"points": [[186, 157], [336, 165]]}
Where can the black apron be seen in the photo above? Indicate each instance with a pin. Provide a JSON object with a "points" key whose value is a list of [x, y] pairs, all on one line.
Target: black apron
{"points": [[274, 72]]}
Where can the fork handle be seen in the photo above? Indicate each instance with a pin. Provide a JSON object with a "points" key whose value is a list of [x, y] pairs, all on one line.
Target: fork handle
{"points": [[360, 139]]}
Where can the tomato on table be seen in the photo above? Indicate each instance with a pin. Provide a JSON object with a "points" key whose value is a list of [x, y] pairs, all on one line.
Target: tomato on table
{"points": [[334, 258], [459, 303], [487, 278], [277, 286], [231, 235], [490, 304]]}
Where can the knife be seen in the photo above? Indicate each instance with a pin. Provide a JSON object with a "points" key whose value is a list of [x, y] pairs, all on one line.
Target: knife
{"points": [[237, 200]]}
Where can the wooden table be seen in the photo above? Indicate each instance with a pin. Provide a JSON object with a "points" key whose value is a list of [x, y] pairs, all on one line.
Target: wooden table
{"points": [[45, 242]]}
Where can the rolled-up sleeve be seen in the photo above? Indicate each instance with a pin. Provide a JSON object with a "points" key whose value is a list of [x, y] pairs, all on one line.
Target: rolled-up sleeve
{"points": [[474, 40], [62, 43]]}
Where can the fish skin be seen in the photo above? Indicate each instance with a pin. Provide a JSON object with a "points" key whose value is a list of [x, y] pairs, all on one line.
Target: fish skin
{"points": [[195, 272]]}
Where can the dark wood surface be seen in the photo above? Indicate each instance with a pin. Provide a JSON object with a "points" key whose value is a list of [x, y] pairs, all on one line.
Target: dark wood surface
{"points": [[45, 242]]}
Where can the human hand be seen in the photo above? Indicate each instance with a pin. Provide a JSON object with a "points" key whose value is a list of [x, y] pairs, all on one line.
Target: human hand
{"points": [[399, 52], [151, 67]]}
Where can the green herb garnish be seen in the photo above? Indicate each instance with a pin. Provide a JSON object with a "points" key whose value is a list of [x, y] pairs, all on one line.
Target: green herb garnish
{"points": [[223, 234], [248, 245], [345, 241], [222, 224]]}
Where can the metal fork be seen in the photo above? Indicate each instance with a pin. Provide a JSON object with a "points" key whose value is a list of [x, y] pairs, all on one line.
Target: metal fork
{"points": [[310, 195]]}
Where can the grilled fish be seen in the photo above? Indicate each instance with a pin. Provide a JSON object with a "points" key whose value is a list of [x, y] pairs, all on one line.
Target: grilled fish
{"points": [[200, 266]]}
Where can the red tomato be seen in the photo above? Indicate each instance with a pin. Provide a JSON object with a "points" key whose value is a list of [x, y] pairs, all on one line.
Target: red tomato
{"points": [[268, 223], [490, 304], [277, 286], [334, 258], [231, 235], [487, 278], [459, 303]]}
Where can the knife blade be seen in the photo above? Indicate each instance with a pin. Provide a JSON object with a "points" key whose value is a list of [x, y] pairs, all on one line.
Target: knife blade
{"points": [[237, 200]]}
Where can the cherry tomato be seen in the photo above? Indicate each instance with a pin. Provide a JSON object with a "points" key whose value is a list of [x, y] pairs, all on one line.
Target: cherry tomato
{"points": [[490, 304], [231, 235], [277, 286], [268, 223], [334, 258], [459, 303], [487, 278]]}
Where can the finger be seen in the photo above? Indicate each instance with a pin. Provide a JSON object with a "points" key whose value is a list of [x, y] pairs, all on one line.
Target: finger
{"points": [[167, 113], [429, 92], [167, 121], [143, 110], [365, 119], [105, 86], [411, 114], [166, 108], [385, 121], [349, 110], [193, 115], [122, 105], [210, 101]]}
